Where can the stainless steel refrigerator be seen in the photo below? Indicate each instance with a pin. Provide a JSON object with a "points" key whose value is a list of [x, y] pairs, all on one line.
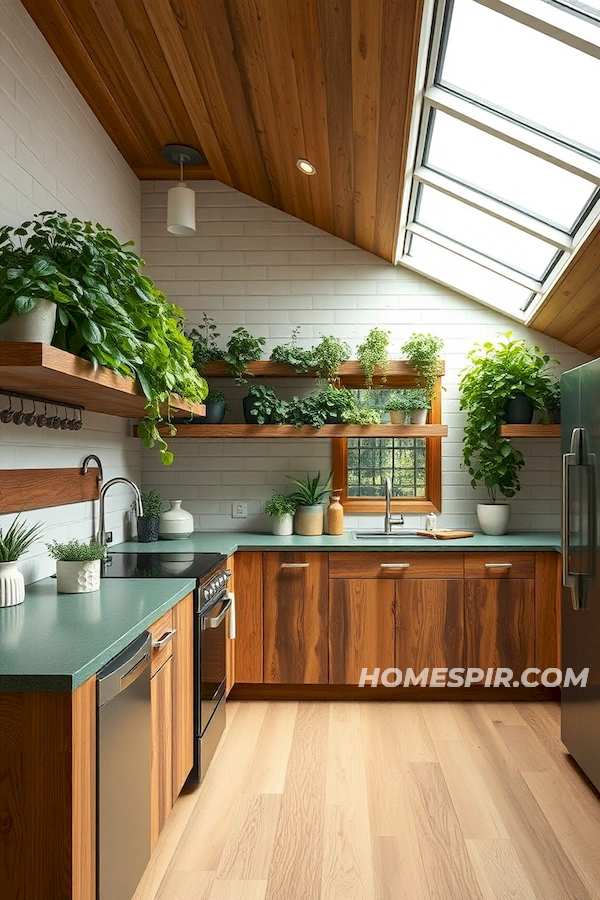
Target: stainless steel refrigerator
{"points": [[580, 706]]}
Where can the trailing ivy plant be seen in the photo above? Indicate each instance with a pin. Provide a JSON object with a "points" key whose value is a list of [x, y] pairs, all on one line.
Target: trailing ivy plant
{"points": [[329, 354], [204, 342], [293, 355], [319, 407], [497, 372], [373, 354], [423, 351], [108, 312], [242, 349]]}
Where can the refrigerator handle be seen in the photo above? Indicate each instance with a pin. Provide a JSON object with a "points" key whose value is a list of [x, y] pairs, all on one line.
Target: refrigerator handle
{"points": [[571, 580]]}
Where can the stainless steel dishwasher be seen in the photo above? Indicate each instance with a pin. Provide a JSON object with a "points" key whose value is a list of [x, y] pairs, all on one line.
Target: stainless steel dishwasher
{"points": [[124, 778]]}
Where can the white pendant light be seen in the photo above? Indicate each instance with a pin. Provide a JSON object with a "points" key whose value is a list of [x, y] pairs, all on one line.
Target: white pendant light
{"points": [[181, 202]]}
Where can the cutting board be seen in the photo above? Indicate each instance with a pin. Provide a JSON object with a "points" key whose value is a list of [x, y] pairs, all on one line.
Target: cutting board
{"points": [[442, 535]]}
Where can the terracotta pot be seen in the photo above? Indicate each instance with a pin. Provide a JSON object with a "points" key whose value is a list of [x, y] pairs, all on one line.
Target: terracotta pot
{"points": [[34, 327], [493, 517], [77, 577], [309, 520]]}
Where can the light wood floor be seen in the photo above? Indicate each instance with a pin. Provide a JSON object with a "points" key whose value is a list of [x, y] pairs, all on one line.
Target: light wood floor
{"points": [[384, 801]]}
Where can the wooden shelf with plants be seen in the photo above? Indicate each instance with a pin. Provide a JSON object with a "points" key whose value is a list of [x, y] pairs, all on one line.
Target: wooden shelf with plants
{"points": [[349, 372], [530, 431], [61, 378], [307, 431]]}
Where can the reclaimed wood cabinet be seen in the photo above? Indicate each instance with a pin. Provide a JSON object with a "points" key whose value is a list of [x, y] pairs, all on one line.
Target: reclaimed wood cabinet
{"points": [[361, 627], [430, 630]]}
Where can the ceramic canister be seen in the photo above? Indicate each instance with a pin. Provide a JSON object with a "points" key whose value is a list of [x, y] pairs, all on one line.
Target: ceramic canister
{"points": [[12, 584], [176, 523]]}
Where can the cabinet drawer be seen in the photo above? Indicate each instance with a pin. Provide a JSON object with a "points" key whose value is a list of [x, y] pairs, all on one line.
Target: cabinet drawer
{"points": [[396, 565], [499, 565], [160, 629]]}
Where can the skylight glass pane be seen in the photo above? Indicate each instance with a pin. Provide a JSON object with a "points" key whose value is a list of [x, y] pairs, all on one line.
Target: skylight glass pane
{"points": [[467, 276], [506, 172], [531, 76], [484, 233]]}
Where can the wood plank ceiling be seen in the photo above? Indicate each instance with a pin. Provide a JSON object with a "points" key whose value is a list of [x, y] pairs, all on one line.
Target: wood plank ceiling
{"points": [[255, 84]]}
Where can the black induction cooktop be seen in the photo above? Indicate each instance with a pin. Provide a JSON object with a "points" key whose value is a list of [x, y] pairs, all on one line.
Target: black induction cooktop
{"points": [[160, 565]]}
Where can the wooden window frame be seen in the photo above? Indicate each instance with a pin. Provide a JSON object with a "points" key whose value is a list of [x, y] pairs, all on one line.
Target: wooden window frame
{"points": [[433, 468]]}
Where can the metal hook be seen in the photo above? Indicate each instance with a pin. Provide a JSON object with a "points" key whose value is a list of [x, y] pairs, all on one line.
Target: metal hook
{"points": [[7, 414], [19, 415]]}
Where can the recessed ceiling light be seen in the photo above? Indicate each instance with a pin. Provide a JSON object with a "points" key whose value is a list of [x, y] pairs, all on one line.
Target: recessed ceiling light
{"points": [[305, 166]]}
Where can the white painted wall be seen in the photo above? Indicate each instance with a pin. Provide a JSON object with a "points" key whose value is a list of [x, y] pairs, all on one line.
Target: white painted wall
{"points": [[54, 154], [256, 266]]}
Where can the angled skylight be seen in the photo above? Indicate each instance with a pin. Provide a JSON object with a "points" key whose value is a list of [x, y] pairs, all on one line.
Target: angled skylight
{"points": [[506, 171]]}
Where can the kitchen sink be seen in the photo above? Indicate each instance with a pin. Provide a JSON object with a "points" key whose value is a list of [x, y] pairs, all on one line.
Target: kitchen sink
{"points": [[400, 535]]}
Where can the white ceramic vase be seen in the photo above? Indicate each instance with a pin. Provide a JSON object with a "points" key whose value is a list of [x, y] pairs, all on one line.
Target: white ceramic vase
{"points": [[397, 416], [176, 523], [283, 524], [12, 584], [309, 520], [493, 517], [36, 326], [418, 416], [77, 577]]}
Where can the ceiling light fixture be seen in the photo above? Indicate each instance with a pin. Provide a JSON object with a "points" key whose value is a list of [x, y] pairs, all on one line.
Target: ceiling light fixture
{"points": [[181, 203], [306, 166]]}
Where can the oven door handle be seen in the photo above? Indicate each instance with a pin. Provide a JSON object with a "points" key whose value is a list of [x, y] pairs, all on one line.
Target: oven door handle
{"points": [[210, 622]]}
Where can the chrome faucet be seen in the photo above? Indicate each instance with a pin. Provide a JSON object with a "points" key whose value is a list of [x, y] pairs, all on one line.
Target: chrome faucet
{"points": [[390, 521], [101, 536]]}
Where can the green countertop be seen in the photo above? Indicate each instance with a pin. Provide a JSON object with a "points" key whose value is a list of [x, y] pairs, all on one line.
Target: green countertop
{"points": [[55, 642], [228, 542]]}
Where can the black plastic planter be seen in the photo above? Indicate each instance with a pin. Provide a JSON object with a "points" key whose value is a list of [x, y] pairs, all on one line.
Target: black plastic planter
{"points": [[519, 410], [215, 413], [147, 530], [251, 419]]}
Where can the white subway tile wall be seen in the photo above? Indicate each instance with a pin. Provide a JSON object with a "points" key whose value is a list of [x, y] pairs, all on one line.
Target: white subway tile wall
{"points": [[54, 154], [256, 266]]}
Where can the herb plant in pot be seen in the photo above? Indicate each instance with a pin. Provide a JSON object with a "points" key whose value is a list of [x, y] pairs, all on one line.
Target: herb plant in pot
{"points": [[262, 406], [77, 566], [242, 349], [309, 510], [204, 343], [398, 405], [373, 354], [293, 355], [216, 407], [423, 351], [281, 508], [17, 540], [329, 354], [147, 525], [419, 406]]}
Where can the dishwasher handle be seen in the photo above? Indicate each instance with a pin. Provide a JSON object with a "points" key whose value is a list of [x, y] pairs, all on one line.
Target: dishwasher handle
{"points": [[125, 668]]}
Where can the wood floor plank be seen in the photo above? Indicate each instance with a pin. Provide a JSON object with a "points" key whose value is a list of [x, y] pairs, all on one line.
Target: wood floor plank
{"points": [[448, 869], [441, 722], [504, 712], [524, 747], [499, 870], [269, 764], [296, 865], [249, 847], [186, 886], [238, 890]]}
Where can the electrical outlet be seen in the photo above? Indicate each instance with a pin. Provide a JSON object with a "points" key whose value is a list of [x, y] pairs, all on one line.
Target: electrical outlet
{"points": [[239, 510], [109, 537]]}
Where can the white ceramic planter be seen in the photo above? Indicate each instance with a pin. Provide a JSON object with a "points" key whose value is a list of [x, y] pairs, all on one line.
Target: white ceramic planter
{"points": [[176, 523], [77, 577], [309, 520], [493, 517], [36, 326], [283, 524], [397, 416], [12, 585], [418, 416]]}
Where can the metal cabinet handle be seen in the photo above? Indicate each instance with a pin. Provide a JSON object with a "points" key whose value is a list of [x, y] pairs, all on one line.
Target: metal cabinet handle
{"points": [[394, 565], [164, 640], [208, 623], [498, 565], [295, 565]]}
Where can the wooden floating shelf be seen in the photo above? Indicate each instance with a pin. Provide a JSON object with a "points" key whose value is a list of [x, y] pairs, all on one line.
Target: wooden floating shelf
{"points": [[266, 368], [226, 432], [62, 378], [530, 431]]}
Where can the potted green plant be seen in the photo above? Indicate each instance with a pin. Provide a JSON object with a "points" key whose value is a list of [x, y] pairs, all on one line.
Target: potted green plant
{"points": [[13, 544], [204, 343], [423, 351], [242, 349], [552, 401], [281, 508], [328, 355], [373, 354], [147, 525], [398, 404], [30, 287], [262, 406], [361, 415], [419, 405], [77, 565], [309, 510], [292, 355], [216, 407]]}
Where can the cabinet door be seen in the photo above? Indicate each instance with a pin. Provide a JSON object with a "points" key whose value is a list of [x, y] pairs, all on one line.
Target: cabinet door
{"points": [[230, 651], [295, 587], [429, 624], [161, 696], [361, 628], [249, 617], [500, 617], [183, 692]]}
